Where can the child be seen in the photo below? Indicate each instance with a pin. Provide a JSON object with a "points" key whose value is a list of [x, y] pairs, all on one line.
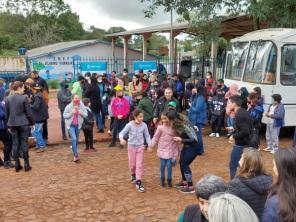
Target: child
{"points": [[167, 149], [40, 113], [275, 120], [87, 126], [110, 114], [136, 131], [74, 115], [120, 108], [218, 110]]}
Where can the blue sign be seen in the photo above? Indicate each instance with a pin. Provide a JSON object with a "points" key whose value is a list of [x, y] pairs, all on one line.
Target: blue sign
{"points": [[100, 67], [145, 65]]}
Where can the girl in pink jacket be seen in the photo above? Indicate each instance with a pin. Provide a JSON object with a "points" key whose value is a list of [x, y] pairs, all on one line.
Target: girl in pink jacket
{"points": [[167, 150]]}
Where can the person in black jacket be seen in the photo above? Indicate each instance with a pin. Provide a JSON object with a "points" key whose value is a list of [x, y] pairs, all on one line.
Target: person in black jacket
{"points": [[20, 117], [187, 135], [87, 126], [93, 93], [5, 136], [241, 134], [252, 182], [40, 113], [162, 104], [64, 98]]}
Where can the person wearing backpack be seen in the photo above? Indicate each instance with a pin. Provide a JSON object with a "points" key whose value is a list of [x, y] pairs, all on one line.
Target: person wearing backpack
{"points": [[87, 126]]}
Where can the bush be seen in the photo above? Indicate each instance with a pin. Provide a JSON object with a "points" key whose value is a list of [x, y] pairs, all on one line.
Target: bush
{"points": [[53, 84]]}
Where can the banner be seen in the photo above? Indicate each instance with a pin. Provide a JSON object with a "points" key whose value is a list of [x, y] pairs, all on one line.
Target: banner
{"points": [[145, 65], [98, 67]]}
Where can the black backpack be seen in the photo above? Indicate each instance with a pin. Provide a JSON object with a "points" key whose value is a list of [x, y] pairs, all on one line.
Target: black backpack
{"points": [[88, 121]]}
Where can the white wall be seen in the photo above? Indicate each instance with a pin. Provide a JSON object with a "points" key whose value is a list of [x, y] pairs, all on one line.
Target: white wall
{"points": [[61, 63]]}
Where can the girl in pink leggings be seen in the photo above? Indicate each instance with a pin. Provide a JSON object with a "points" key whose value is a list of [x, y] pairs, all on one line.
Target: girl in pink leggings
{"points": [[136, 130]]}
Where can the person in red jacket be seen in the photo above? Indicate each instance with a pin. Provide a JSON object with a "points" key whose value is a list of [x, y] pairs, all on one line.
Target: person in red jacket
{"points": [[120, 108]]}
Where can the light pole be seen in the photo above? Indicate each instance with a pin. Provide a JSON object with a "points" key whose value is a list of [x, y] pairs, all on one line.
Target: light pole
{"points": [[171, 44]]}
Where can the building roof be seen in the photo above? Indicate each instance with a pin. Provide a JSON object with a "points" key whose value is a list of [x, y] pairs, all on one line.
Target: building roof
{"points": [[229, 28], [65, 46]]}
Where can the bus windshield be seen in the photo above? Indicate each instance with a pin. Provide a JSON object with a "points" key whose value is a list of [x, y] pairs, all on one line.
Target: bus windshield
{"points": [[288, 65], [235, 64], [261, 63]]}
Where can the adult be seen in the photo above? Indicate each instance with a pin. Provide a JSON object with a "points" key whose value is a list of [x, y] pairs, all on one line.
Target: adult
{"points": [[241, 134], [77, 87], [252, 182], [103, 87], [162, 104], [255, 111], [221, 85], [40, 113], [5, 136], [227, 207], [244, 95], [20, 118], [179, 91], [45, 92], [204, 189], [187, 136], [198, 114], [93, 93], [281, 202], [275, 121], [74, 115], [126, 79], [145, 104], [294, 139], [135, 86], [64, 98]]}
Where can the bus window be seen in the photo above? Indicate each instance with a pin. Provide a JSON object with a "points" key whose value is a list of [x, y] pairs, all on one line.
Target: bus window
{"points": [[288, 65], [237, 62], [261, 63]]}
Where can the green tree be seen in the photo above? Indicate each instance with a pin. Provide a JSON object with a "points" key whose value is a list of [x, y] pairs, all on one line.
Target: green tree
{"points": [[112, 30], [71, 26], [94, 33]]}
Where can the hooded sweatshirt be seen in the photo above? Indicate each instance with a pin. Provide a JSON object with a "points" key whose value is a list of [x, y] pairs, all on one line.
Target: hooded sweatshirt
{"points": [[253, 191], [64, 96]]}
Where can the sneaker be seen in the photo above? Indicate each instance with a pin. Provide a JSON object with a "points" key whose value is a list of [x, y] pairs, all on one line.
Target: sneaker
{"points": [[180, 185], [267, 150], [272, 151], [110, 133], [187, 189], [101, 131], [112, 145], [133, 179], [212, 135], [76, 159], [40, 150], [217, 135], [8, 164], [140, 187]]}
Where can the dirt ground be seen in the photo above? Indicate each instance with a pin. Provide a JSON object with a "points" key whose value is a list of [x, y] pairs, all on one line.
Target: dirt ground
{"points": [[98, 189]]}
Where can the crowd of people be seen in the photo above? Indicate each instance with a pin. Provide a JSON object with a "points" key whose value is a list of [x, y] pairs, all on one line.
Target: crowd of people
{"points": [[147, 111]]}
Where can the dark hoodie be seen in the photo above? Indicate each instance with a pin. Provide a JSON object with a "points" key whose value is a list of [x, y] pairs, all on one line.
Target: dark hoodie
{"points": [[64, 96], [253, 191], [218, 105]]}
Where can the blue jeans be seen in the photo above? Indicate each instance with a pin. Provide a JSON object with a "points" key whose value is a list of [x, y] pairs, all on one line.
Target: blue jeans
{"points": [[200, 146], [74, 134], [235, 156], [163, 164], [100, 119], [230, 121], [187, 156], [40, 143]]}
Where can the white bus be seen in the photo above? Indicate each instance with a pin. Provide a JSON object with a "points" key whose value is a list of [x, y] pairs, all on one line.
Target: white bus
{"points": [[266, 58]]}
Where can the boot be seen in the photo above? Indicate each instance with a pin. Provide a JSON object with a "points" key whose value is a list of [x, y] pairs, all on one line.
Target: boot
{"points": [[18, 165], [162, 182], [170, 185], [27, 165]]}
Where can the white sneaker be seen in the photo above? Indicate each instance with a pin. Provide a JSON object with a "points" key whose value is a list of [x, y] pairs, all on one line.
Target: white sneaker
{"points": [[272, 151], [212, 135], [217, 135]]}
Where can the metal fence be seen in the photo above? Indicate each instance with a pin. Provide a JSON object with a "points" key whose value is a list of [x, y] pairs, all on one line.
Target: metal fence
{"points": [[199, 65]]}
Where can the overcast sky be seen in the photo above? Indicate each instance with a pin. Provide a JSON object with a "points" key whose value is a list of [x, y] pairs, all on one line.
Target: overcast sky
{"points": [[107, 13]]}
